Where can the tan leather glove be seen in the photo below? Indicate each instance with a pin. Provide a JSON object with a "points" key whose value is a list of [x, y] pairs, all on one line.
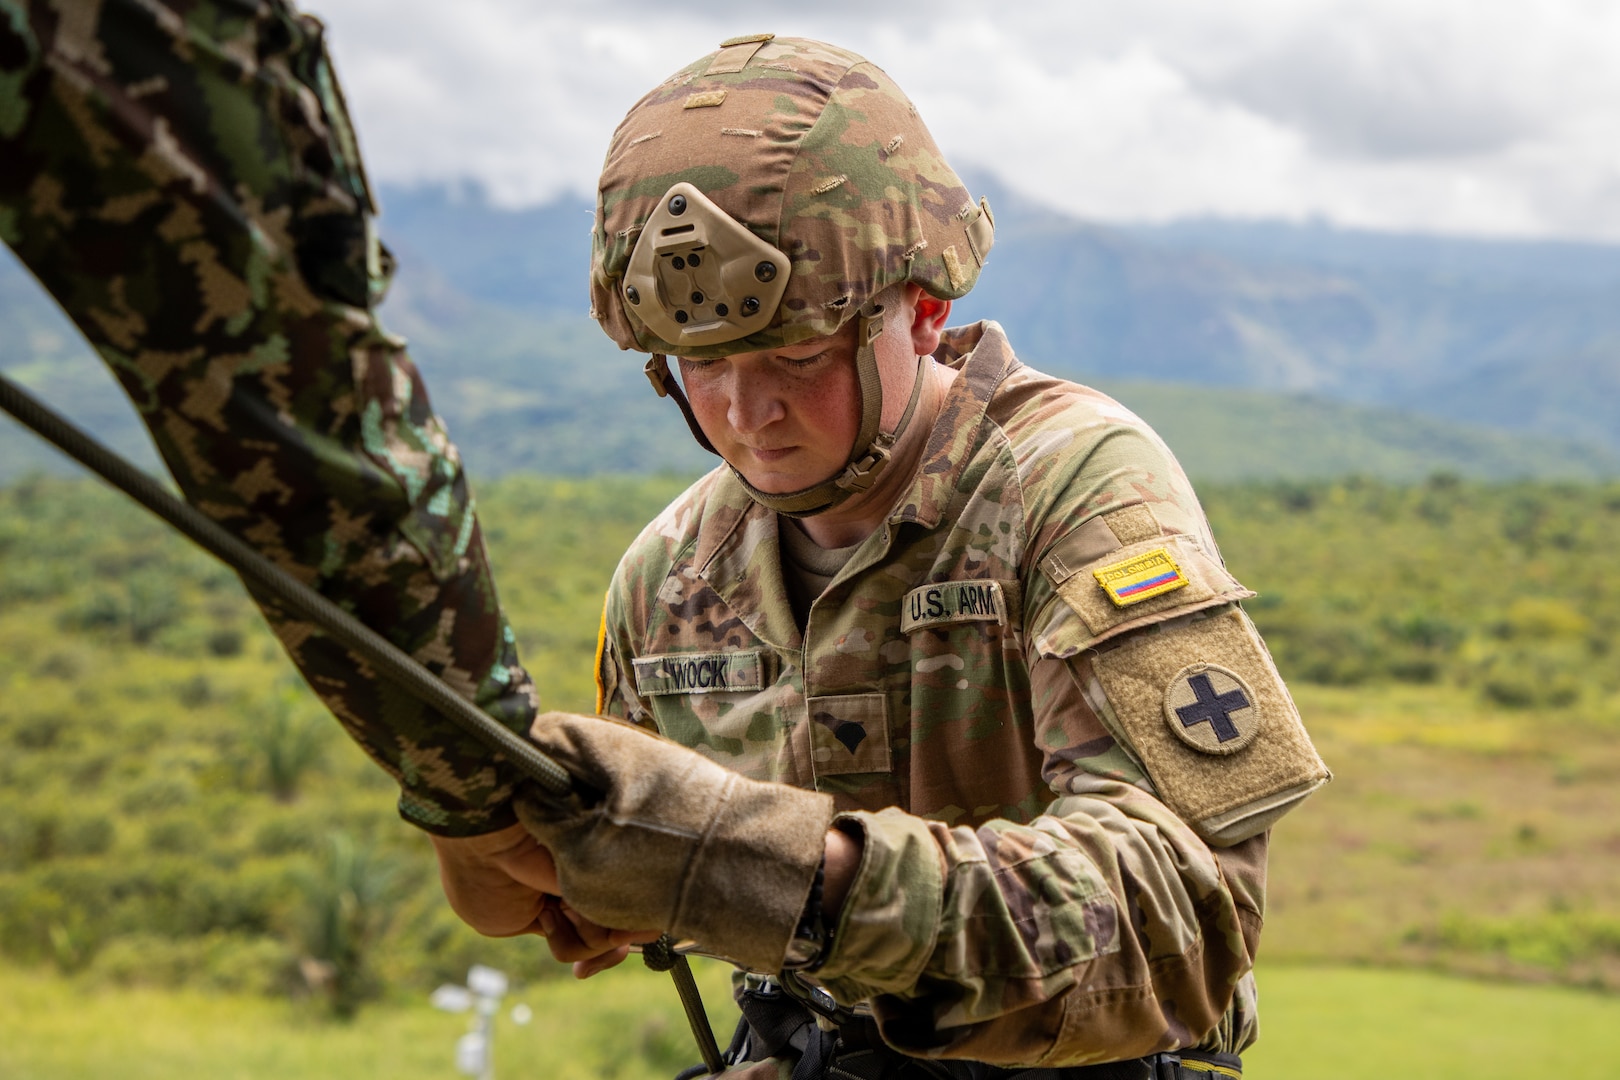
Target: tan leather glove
{"points": [[677, 842]]}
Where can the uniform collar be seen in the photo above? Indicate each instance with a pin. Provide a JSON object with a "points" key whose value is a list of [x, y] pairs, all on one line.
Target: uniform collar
{"points": [[739, 556], [983, 358], [738, 549]]}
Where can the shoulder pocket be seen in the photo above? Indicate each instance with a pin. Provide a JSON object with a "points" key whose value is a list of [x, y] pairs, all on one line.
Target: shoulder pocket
{"points": [[1203, 708], [1131, 586]]}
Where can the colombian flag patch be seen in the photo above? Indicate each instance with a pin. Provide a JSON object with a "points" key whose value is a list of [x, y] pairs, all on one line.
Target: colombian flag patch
{"points": [[1152, 573]]}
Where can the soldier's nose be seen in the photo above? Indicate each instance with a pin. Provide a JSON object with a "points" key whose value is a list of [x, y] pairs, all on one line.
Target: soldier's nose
{"points": [[753, 404]]}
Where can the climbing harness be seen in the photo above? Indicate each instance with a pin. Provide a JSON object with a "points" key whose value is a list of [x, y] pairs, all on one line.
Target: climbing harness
{"points": [[780, 1018]]}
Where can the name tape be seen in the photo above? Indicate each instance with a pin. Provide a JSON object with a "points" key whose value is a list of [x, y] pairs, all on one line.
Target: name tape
{"points": [[700, 673]]}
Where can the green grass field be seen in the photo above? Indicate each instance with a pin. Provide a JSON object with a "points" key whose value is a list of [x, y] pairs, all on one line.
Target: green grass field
{"points": [[1367, 1024], [1455, 835], [625, 1025], [1320, 1024]]}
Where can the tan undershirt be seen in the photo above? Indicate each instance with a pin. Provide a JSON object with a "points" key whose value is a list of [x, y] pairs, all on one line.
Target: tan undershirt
{"points": [[807, 568]]}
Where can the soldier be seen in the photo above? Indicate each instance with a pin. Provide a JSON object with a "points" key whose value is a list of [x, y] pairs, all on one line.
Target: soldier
{"points": [[977, 740], [986, 750]]}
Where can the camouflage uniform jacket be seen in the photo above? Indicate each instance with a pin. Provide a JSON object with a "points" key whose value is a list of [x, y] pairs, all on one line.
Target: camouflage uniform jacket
{"points": [[1024, 896]]}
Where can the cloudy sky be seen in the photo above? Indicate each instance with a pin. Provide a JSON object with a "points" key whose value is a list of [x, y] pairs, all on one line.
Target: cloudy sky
{"points": [[1496, 117]]}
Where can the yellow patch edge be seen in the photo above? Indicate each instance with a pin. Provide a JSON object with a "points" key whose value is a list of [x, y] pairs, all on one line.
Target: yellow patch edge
{"points": [[1129, 574]]}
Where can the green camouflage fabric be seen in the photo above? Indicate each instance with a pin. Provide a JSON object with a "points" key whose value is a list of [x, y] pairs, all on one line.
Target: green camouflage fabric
{"points": [[1025, 898], [820, 155], [182, 177]]}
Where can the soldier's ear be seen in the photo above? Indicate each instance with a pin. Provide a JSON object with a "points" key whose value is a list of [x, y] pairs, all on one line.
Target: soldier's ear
{"points": [[928, 317]]}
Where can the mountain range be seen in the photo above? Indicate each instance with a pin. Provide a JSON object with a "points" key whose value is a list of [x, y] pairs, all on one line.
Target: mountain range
{"points": [[1256, 348]]}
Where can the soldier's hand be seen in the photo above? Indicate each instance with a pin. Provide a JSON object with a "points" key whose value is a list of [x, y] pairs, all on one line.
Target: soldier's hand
{"points": [[505, 883], [675, 841], [501, 883]]}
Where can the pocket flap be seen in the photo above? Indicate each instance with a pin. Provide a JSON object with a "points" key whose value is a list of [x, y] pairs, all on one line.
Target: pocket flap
{"points": [[1131, 586]]}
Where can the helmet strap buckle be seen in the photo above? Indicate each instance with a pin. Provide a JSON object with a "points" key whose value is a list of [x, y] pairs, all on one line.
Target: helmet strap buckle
{"points": [[657, 371], [859, 476], [871, 325]]}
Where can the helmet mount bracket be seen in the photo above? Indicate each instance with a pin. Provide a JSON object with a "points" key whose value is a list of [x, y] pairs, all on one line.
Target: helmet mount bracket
{"points": [[698, 277]]}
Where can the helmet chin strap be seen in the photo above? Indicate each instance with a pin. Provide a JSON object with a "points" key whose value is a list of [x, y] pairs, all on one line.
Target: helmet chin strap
{"points": [[872, 448]]}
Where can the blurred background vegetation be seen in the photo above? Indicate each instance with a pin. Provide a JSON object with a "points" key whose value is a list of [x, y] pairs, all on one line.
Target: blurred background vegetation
{"points": [[177, 809]]}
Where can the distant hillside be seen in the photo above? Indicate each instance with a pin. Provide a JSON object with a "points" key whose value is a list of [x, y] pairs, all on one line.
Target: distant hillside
{"points": [[526, 393], [1518, 336], [1220, 433], [1336, 352]]}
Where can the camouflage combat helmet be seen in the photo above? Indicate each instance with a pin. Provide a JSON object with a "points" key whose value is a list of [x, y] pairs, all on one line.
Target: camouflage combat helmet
{"points": [[764, 196]]}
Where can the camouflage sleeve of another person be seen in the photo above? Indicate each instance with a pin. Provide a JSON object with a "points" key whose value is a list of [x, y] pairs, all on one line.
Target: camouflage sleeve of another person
{"points": [[183, 178], [1104, 927]]}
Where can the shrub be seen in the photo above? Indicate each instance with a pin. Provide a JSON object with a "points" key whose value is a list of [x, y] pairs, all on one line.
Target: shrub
{"points": [[42, 833], [347, 903], [1551, 941], [220, 961], [67, 664], [41, 731], [224, 642], [195, 691], [153, 605], [289, 735]]}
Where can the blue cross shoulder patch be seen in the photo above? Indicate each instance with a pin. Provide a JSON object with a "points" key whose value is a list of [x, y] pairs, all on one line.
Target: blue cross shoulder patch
{"points": [[1211, 709]]}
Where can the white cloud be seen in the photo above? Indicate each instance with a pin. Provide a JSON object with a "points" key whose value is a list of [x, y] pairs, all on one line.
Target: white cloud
{"points": [[1477, 116]]}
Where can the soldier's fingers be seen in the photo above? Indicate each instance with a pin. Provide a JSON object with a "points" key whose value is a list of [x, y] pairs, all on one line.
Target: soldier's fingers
{"points": [[584, 969], [605, 937], [566, 942], [545, 923]]}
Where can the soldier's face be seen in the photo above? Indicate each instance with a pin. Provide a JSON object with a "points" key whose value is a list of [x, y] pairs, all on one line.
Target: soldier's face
{"points": [[785, 419]]}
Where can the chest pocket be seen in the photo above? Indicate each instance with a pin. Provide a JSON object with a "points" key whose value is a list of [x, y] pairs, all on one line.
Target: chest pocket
{"points": [[849, 733], [700, 673]]}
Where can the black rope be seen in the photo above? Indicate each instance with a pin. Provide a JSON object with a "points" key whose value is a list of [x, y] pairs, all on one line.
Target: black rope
{"points": [[660, 955], [285, 589]]}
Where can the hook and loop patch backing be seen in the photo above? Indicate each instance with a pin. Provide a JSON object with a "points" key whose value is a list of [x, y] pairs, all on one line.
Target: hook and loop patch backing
{"points": [[1179, 692]]}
